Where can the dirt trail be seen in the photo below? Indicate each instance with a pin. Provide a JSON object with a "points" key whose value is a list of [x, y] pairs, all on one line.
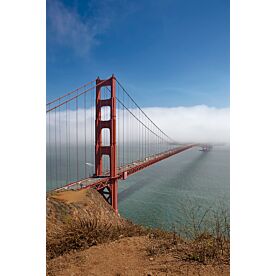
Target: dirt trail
{"points": [[71, 196], [127, 257]]}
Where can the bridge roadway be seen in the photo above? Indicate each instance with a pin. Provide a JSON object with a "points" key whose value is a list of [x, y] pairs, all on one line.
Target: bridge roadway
{"points": [[124, 171]]}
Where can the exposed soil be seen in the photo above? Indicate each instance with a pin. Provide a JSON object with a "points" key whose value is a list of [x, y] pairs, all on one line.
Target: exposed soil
{"points": [[65, 206], [127, 257], [85, 237]]}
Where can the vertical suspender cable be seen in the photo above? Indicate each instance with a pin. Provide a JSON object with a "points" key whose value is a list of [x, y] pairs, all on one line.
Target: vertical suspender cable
{"points": [[56, 146], [139, 134], [129, 133], [92, 123], [77, 138], [50, 153], [69, 144], [59, 128], [85, 161], [147, 132], [118, 129], [145, 139], [123, 129], [66, 126], [130, 136]]}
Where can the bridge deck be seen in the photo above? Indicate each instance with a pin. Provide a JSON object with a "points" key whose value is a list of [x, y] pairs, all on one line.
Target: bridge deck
{"points": [[122, 172]]}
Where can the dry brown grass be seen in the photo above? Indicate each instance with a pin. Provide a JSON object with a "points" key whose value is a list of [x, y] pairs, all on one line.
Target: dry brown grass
{"points": [[205, 240], [205, 249], [82, 233], [86, 220]]}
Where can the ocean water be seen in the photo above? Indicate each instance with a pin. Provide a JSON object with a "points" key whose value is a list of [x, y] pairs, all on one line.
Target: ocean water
{"points": [[162, 195]]}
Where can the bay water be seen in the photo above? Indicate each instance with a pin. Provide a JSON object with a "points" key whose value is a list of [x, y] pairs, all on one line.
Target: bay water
{"points": [[163, 194]]}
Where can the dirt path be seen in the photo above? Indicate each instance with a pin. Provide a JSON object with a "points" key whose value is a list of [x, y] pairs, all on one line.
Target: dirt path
{"points": [[126, 257], [71, 196]]}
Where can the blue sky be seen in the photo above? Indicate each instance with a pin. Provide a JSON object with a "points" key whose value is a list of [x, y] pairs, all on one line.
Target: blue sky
{"points": [[166, 53]]}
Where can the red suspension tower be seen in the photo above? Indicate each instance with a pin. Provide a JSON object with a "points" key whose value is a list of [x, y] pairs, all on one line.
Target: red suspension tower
{"points": [[110, 192]]}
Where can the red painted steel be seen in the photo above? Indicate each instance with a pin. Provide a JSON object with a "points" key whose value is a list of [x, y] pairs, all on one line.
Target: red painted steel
{"points": [[105, 181], [154, 160], [111, 193]]}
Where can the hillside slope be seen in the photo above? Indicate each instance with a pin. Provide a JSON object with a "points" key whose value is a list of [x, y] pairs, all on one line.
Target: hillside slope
{"points": [[85, 237]]}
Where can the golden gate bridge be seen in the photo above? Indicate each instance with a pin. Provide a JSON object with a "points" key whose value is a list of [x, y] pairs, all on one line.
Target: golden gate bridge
{"points": [[97, 134]]}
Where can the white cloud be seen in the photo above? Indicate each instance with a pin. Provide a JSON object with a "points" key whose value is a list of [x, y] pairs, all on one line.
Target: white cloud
{"points": [[193, 124], [69, 29], [183, 124]]}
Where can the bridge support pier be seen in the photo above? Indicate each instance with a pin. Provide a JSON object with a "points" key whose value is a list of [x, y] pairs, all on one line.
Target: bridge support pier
{"points": [[110, 192]]}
